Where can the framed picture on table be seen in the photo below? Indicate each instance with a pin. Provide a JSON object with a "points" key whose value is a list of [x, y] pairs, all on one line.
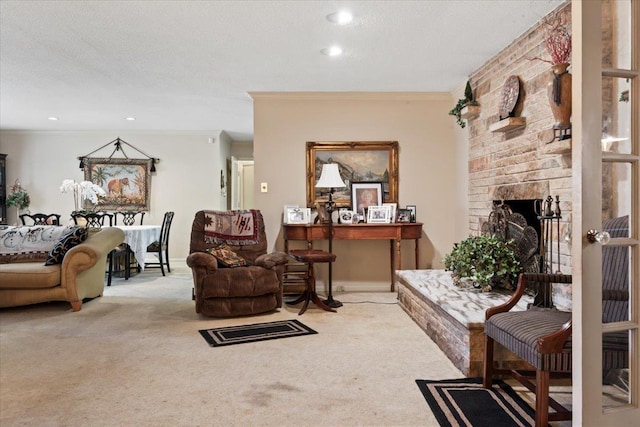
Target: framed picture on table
{"points": [[365, 194], [412, 210], [404, 215], [345, 216], [285, 210], [298, 215], [393, 207], [379, 215]]}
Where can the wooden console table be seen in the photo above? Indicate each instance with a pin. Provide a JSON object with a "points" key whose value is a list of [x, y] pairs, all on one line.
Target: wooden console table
{"points": [[395, 233]]}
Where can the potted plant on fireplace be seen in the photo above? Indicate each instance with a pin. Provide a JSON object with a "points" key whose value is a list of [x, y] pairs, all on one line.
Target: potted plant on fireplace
{"points": [[462, 107], [487, 261]]}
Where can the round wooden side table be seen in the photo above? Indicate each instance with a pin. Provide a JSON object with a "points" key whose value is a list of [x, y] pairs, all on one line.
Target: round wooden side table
{"points": [[310, 257]]}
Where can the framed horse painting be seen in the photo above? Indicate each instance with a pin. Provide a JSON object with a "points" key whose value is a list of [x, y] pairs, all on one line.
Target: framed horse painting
{"points": [[126, 182]]}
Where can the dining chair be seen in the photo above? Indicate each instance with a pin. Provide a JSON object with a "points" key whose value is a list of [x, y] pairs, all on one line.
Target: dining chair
{"points": [[93, 219], [40, 219], [96, 220], [161, 246], [123, 255], [128, 217]]}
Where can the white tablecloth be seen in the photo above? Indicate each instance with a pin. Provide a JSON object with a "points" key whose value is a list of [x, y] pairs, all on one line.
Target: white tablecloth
{"points": [[138, 237]]}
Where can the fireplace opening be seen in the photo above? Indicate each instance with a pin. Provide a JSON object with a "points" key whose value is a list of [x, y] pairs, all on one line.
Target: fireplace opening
{"points": [[520, 221], [528, 208]]}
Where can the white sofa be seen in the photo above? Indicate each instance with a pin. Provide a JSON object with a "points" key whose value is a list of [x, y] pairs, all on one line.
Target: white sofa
{"points": [[25, 279]]}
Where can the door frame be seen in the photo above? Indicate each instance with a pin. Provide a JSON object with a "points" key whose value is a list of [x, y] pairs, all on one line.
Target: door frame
{"points": [[587, 214]]}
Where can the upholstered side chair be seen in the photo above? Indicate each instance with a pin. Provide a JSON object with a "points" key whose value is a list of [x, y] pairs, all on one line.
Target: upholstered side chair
{"points": [[539, 335]]}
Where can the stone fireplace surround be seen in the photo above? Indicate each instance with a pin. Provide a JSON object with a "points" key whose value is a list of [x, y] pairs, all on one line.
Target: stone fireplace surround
{"points": [[453, 317], [515, 165]]}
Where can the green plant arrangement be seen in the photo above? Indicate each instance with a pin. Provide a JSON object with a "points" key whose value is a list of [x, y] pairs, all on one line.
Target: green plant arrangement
{"points": [[18, 196], [488, 261], [468, 99]]}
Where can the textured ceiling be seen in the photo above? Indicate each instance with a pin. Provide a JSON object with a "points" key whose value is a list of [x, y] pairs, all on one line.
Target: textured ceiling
{"points": [[188, 65]]}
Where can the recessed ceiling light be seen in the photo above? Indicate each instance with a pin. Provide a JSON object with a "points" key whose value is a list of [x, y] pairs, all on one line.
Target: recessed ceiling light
{"points": [[130, 118], [332, 51], [341, 18], [53, 118]]}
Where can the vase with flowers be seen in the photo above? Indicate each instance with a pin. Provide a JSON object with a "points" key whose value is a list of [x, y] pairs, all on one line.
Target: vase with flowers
{"points": [[84, 192], [557, 42], [18, 197]]}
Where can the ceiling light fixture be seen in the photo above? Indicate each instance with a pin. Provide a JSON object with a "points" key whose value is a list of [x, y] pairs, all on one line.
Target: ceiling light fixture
{"points": [[332, 51], [341, 18], [130, 118], [53, 118]]}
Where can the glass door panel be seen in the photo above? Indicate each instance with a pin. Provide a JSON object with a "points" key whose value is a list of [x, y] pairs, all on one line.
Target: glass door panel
{"points": [[616, 371], [616, 114], [616, 34], [620, 204]]}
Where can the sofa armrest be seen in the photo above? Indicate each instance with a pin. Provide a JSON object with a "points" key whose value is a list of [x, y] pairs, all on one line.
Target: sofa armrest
{"points": [[271, 260], [83, 266], [202, 260]]}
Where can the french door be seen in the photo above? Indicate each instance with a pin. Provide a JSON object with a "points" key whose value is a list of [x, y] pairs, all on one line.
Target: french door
{"points": [[606, 201]]}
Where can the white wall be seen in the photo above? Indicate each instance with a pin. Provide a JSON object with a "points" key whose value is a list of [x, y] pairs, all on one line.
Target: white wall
{"points": [[428, 177], [187, 177]]}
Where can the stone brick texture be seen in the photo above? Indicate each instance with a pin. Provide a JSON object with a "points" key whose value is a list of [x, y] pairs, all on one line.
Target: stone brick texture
{"points": [[518, 164], [462, 344]]}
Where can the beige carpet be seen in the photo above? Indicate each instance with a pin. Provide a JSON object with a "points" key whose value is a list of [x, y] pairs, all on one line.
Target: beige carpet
{"points": [[135, 358]]}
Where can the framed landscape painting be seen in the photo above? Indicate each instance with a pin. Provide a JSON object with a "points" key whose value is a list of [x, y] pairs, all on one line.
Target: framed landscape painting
{"points": [[127, 182], [364, 161]]}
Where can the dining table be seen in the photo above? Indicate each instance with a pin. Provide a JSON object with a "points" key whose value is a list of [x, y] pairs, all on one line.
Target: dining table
{"points": [[138, 237]]}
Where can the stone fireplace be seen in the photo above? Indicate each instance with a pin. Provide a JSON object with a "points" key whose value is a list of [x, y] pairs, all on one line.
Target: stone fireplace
{"points": [[517, 166]]}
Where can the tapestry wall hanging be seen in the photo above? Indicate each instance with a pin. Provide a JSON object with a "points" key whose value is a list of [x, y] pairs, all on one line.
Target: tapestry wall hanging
{"points": [[127, 182]]}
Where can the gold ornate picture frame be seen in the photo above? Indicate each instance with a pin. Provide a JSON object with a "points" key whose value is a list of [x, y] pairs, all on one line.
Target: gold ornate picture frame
{"points": [[127, 182], [361, 161]]}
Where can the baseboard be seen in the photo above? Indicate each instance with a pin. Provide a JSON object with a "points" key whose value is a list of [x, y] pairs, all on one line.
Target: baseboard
{"points": [[344, 286]]}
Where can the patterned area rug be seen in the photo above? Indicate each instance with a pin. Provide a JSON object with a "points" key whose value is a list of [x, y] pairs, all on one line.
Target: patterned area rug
{"points": [[464, 402], [257, 332]]}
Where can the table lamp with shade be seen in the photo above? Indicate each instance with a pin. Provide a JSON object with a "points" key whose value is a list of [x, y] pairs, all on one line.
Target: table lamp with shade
{"points": [[330, 178]]}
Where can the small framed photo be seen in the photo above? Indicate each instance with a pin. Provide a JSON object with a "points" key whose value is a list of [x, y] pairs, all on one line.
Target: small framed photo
{"points": [[412, 209], [284, 212], [379, 215], [298, 215], [365, 194], [345, 216], [404, 215], [393, 207]]}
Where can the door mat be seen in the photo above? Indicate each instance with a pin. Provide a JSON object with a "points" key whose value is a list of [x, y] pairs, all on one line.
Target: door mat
{"points": [[464, 402], [230, 335]]}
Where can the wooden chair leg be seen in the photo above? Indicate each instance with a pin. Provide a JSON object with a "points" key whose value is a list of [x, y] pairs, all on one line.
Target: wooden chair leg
{"points": [[127, 267], [166, 258], [487, 377], [110, 259], [161, 263], [542, 398]]}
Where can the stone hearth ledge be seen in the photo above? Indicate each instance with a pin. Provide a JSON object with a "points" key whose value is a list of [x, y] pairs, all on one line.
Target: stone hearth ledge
{"points": [[454, 317]]}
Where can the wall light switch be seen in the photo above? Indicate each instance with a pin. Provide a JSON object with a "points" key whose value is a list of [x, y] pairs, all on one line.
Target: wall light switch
{"points": [[263, 187]]}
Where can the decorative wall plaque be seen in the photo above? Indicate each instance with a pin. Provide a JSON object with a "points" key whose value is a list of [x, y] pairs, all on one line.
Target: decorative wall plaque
{"points": [[510, 94]]}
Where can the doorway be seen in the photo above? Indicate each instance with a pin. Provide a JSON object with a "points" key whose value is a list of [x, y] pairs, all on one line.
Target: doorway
{"points": [[242, 184]]}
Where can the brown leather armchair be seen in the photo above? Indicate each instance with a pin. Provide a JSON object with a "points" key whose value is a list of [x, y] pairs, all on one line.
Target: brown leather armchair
{"points": [[224, 291]]}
